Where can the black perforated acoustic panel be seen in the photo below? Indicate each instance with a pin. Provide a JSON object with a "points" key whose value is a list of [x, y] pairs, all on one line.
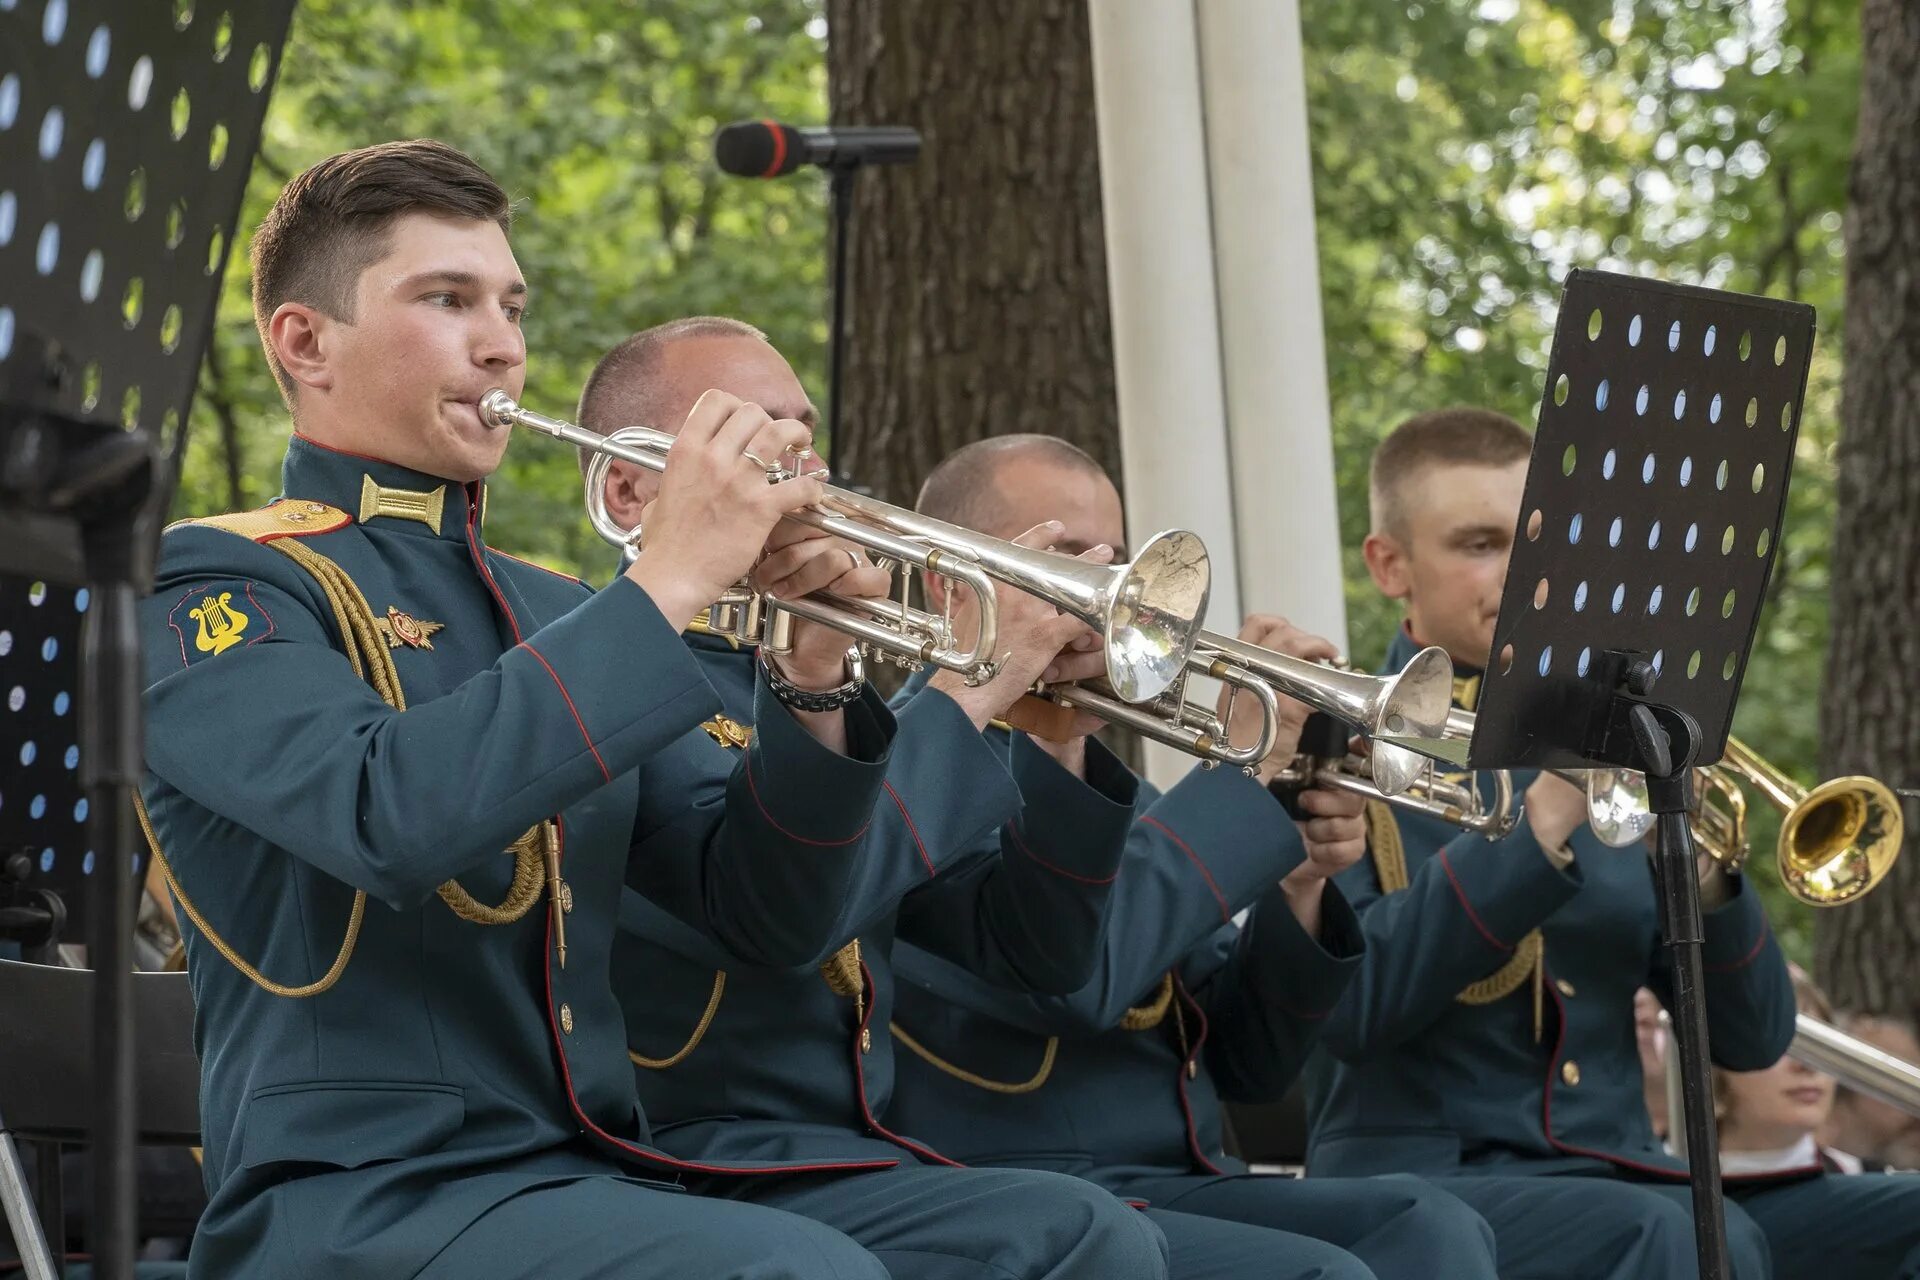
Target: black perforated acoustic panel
{"points": [[1652, 512], [126, 134]]}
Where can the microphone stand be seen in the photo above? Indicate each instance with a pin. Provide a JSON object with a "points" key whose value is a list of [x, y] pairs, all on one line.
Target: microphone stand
{"points": [[840, 186]]}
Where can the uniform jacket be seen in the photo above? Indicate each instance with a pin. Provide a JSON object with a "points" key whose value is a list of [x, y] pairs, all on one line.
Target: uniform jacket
{"points": [[355, 1131], [1416, 1079]]}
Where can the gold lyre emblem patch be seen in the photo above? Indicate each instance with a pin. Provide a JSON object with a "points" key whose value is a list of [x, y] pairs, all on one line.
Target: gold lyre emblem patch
{"points": [[401, 627], [221, 625], [728, 732]]}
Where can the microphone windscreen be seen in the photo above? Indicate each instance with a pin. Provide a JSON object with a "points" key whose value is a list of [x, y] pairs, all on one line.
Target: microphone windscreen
{"points": [[757, 149]]}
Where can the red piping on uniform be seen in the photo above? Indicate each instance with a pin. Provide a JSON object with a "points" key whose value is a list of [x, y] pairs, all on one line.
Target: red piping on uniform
{"points": [[473, 546], [860, 1086], [1221, 898], [1669, 1175], [1193, 1056], [575, 711], [1014, 831], [345, 453], [1743, 961], [754, 790], [907, 818], [1446, 865], [660, 1158]]}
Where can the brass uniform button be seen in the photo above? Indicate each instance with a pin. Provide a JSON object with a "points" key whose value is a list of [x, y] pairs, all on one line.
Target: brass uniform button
{"points": [[566, 897], [1564, 987], [566, 1020], [866, 1040], [1570, 1071]]}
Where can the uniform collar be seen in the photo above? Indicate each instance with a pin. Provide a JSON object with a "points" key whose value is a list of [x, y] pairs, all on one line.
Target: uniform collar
{"points": [[1466, 679], [340, 479]]}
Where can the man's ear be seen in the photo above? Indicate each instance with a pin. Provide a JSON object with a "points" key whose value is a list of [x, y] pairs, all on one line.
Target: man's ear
{"points": [[934, 587], [629, 488], [299, 335], [1387, 564]]}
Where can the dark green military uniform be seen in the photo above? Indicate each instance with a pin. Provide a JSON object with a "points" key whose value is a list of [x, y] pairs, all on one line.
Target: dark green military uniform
{"points": [[453, 1100], [1008, 868], [1489, 1037], [1121, 1081]]}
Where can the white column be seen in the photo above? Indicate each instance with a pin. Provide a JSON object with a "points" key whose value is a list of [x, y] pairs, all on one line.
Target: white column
{"points": [[1160, 279], [1279, 426]]}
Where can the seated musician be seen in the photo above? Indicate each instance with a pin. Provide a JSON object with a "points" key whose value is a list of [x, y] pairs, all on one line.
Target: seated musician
{"points": [[398, 775], [1488, 1038], [740, 1058], [1121, 1081]]}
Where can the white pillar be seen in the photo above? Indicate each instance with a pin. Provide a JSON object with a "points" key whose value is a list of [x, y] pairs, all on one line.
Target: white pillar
{"points": [[1279, 424], [1160, 280], [1213, 285]]}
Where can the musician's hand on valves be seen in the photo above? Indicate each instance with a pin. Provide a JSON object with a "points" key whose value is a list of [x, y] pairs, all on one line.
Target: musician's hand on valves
{"points": [[715, 507], [1555, 810], [1272, 632], [801, 560], [1335, 835], [1036, 641]]}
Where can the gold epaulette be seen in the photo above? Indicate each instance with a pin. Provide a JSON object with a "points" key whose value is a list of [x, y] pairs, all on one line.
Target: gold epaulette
{"points": [[290, 518]]}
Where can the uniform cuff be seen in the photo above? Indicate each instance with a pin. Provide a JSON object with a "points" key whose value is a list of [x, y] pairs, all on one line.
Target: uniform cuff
{"points": [[1073, 826], [950, 781], [1736, 931], [1295, 972], [804, 788]]}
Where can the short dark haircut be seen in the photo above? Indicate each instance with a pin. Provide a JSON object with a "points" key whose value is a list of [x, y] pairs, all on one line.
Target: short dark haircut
{"points": [[962, 490], [335, 220], [624, 388], [1462, 436]]}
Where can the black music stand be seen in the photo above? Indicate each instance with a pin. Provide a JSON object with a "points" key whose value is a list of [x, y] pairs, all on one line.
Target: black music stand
{"points": [[1651, 520], [126, 136]]}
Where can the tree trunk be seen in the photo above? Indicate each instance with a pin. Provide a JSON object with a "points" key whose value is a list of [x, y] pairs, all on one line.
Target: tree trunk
{"points": [[1869, 952], [978, 301]]}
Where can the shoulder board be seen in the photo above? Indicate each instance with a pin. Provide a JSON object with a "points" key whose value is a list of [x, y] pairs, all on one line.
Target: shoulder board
{"points": [[508, 555], [291, 518]]}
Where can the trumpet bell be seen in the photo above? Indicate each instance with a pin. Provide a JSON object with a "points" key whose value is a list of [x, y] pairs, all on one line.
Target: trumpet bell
{"points": [[1413, 706], [1618, 808], [1840, 841], [1153, 613]]}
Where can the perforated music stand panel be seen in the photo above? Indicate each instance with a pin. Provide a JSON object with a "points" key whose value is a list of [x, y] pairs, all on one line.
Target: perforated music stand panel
{"points": [[127, 131], [1652, 514], [126, 134]]}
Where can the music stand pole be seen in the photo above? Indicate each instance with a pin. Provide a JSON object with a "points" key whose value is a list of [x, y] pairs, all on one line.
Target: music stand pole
{"points": [[1669, 751], [111, 766]]}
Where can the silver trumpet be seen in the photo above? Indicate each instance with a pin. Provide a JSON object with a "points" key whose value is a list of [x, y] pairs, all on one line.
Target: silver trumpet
{"points": [[1411, 703], [1147, 612], [1454, 801], [1851, 1061], [1618, 807]]}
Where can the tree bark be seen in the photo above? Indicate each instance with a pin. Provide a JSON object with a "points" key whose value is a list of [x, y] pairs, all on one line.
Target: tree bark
{"points": [[1868, 953], [978, 299]]}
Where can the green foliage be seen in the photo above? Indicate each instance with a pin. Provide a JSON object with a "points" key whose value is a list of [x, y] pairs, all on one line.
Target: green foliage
{"points": [[597, 117], [1467, 154]]}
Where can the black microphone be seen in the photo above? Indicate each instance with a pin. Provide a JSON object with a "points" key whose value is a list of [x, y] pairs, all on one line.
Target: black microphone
{"points": [[768, 149]]}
